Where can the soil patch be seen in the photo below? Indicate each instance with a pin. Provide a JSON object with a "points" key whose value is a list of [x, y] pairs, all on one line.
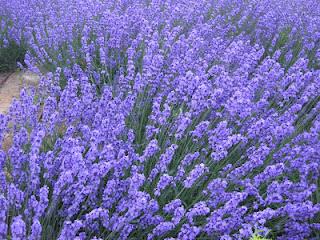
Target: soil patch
{"points": [[11, 84]]}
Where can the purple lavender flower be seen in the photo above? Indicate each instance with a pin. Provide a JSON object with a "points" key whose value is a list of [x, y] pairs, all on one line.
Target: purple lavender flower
{"points": [[18, 228], [195, 174]]}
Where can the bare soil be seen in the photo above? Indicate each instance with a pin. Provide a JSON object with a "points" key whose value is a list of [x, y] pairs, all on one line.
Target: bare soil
{"points": [[11, 84]]}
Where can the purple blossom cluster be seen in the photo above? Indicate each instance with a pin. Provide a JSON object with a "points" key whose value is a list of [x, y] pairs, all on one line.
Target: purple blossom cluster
{"points": [[163, 120]]}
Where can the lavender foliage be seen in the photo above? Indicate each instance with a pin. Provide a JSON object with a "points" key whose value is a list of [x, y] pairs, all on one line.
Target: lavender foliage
{"points": [[163, 120]]}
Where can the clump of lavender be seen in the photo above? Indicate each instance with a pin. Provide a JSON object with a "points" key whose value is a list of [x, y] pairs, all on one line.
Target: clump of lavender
{"points": [[158, 120]]}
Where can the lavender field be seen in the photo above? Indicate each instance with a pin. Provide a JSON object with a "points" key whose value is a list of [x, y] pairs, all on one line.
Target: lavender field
{"points": [[161, 119]]}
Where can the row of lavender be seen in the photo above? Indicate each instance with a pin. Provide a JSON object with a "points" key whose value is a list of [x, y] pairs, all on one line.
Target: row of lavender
{"points": [[163, 120]]}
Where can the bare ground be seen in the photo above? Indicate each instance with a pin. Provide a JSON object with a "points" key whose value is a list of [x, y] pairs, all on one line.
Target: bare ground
{"points": [[11, 84]]}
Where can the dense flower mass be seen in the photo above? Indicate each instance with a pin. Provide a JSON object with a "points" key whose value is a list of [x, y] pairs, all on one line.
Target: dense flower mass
{"points": [[163, 119]]}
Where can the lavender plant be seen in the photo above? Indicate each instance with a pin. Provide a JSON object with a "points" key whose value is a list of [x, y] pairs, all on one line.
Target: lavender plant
{"points": [[10, 51], [164, 120]]}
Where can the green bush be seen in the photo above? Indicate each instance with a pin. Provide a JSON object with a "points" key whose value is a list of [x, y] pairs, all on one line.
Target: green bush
{"points": [[10, 55], [258, 237]]}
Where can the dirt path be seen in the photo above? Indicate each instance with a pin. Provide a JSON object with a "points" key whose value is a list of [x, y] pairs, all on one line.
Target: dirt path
{"points": [[11, 84]]}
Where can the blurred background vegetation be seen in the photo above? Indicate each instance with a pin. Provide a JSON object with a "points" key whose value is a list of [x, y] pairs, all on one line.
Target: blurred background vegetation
{"points": [[10, 55]]}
